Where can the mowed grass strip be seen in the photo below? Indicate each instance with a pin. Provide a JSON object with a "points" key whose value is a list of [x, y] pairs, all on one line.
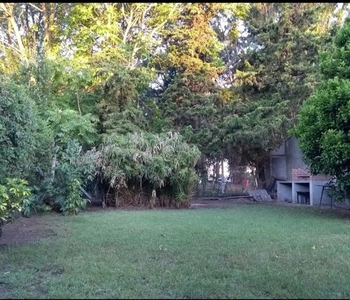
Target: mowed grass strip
{"points": [[247, 251]]}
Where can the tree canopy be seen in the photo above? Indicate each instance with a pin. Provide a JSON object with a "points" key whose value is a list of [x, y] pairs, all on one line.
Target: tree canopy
{"points": [[83, 83], [324, 120]]}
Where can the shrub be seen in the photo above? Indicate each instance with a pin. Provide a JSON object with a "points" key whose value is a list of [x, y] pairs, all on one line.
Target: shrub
{"points": [[33, 205], [74, 169], [74, 202], [164, 162], [13, 195], [18, 128]]}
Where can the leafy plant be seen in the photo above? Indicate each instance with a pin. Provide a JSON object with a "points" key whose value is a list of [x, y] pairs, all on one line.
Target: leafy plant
{"points": [[34, 205], [18, 127], [73, 170], [13, 195], [74, 202]]}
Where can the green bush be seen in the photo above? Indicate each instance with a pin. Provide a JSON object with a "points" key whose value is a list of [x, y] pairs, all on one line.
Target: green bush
{"points": [[34, 205], [74, 202], [74, 169], [143, 160], [18, 128], [13, 195]]}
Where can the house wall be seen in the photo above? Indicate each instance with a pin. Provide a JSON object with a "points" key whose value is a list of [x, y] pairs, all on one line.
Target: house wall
{"points": [[287, 157], [278, 167], [294, 157]]}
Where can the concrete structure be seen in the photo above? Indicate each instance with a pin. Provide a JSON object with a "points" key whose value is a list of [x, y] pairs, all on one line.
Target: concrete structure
{"points": [[302, 192], [287, 157], [294, 183]]}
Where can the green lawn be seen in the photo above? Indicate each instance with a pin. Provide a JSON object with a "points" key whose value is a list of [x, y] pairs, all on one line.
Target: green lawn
{"points": [[246, 251]]}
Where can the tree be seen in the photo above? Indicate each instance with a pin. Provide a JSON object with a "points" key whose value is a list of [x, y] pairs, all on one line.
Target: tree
{"points": [[87, 73], [323, 127], [274, 72], [189, 66], [29, 31], [194, 113]]}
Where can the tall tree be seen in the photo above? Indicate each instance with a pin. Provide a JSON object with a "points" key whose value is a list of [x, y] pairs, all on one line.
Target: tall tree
{"points": [[275, 72], [324, 128], [188, 67], [30, 30]]}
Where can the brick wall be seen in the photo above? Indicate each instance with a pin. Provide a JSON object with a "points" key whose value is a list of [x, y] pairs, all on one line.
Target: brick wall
{"points": [[304, 174]]}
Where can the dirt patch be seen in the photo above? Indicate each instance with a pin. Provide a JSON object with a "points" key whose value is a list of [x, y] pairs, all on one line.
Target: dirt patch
{"points": [[25, 230], [343, 213]]}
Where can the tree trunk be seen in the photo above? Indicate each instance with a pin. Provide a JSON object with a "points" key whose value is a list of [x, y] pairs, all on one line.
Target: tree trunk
{"points": [[222, 171], [8, 9], [255, 177], [86, 194], [262, 173], [217, 170]]}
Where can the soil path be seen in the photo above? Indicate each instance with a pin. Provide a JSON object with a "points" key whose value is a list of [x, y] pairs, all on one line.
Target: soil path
{"points": [[24, 230]]}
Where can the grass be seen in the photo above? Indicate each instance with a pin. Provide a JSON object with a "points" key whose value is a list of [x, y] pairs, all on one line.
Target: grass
{"points": [[246, 251]]}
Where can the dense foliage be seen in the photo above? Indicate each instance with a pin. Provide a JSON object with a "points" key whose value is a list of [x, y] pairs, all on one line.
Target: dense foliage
{"points": [[14, 197], [128, 103], [18, 128], [274, 76], [135, 164], [14, 194], [324, 121]]}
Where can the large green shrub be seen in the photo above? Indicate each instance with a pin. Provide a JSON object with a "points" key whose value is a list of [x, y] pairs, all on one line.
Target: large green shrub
{"points": [[18, 128], [74, 202], [13, 196], [163, 162], [74, 169], [65, 136]]}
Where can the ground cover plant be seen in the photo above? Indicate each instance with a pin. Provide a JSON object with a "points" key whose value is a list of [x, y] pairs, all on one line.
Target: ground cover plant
{"points": [[237, 251]]}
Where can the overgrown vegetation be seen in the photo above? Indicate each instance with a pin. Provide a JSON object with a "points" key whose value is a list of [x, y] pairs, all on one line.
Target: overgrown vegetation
{"points": [[14, 196], [132, 165], [106, 82]]}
